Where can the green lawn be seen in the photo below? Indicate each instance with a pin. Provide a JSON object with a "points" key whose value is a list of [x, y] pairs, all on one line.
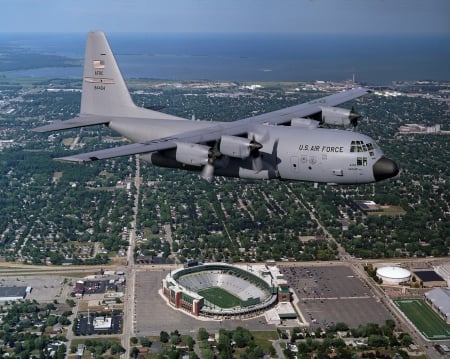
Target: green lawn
{"points": [[220, 297], [389, 211], [429, 323], [263, 339]]}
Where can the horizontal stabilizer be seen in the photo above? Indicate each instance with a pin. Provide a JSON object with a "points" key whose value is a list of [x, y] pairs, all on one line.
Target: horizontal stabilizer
{"points": [[80, 121]]}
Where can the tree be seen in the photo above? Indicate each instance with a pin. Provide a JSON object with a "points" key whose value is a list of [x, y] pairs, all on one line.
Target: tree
{"points": [[61, 352], [203, 334], [70, 302], [405, 339], [164, 337], [224, 344], [116, 348], [190, 342], [376, 341], [207, 353], [340, 326], [175, 339], [52, 320], [134, 352], [145, 342], [242, 337]]}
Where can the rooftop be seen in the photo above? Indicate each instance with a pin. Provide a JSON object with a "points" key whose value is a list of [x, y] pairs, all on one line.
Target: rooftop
{"points": [[13, 292], [440, 297]]}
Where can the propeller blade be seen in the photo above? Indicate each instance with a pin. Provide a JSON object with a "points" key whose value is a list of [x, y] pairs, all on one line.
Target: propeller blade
{"points": [[257, 163], [207, 172], [259, 137], [354, 117]]}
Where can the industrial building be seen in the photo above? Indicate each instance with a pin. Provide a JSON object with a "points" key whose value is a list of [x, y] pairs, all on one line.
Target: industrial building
{"points": [[368, 206], [13, 293], [439, 299], [429, 278]]}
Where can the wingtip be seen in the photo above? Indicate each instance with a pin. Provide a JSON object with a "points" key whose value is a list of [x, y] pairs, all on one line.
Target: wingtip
{"points": [[71, 159], [41, 129]]}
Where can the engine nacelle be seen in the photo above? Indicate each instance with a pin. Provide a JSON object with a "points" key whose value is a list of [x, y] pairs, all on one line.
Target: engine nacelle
{"points": [[238, 147], [192, 154], [304, 122], [336, 116]]}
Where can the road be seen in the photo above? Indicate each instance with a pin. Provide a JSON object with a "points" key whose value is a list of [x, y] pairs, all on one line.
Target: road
{"points": [[129, 313]]}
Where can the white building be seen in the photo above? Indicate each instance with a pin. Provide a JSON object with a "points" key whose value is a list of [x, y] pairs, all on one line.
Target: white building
{"points": [[393, 275], [102, 323]]}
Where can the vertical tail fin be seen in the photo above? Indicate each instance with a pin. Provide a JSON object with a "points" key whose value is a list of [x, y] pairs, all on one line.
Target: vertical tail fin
{"points": [[104, 90]]}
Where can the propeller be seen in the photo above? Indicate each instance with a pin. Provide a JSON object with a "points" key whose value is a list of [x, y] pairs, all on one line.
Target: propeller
{"points": [[208, 172], [257, 162], [354, 117], [208, 169]]}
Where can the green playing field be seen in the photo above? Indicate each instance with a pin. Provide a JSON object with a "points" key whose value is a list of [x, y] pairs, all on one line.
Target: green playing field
{"points": [[220, 297], [428, 322]]}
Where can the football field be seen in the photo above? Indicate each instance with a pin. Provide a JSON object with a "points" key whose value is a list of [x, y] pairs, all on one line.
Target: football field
{"points": [[220, 297], [427, 322]]}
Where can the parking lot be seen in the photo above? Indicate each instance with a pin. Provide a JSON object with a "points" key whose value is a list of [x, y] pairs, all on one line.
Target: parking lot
{"points": [[153, 314], [86, 325], [332, 294], [44, 288]]}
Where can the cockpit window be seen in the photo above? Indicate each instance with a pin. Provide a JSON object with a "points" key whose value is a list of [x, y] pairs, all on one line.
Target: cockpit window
{"points": [[360, 146]]}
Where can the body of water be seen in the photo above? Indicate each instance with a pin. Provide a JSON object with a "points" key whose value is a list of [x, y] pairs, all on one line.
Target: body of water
{"points": [[374, 59]]}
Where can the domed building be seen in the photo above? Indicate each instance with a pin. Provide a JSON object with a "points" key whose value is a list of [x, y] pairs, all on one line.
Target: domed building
{"points": [[393, 275]]}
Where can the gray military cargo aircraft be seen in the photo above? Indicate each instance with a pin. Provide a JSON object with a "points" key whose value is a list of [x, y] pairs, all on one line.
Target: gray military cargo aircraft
{"points": [[288, 144]]}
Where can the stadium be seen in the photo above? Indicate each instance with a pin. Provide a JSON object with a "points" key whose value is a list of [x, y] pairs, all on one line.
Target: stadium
{"points": [[222, 291]]}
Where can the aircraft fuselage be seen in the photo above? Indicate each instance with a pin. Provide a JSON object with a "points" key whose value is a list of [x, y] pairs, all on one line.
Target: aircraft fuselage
{"points": [[287, 153]]}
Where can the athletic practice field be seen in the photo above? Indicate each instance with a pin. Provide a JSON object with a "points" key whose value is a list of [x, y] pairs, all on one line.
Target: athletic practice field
{"points": [[427, 322], [220, 297]]}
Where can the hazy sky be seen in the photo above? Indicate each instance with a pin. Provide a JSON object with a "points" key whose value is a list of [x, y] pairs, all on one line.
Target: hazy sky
{"points": [[345, 16]]}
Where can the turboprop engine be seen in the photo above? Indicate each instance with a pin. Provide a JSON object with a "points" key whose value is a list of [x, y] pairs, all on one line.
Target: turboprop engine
{"points": [[339, 116], [239, 147], [192, 154]]}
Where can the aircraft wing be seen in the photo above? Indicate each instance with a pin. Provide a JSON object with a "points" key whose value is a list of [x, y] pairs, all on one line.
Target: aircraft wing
{"points": [[127, 150], [165, 143], [214, 132], [285, 115]]}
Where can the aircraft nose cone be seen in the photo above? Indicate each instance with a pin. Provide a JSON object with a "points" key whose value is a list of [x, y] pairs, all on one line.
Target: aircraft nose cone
{"points": [[384, 168]]}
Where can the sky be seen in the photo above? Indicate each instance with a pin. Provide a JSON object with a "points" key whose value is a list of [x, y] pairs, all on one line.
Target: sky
{"points": [[225, 16]]}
